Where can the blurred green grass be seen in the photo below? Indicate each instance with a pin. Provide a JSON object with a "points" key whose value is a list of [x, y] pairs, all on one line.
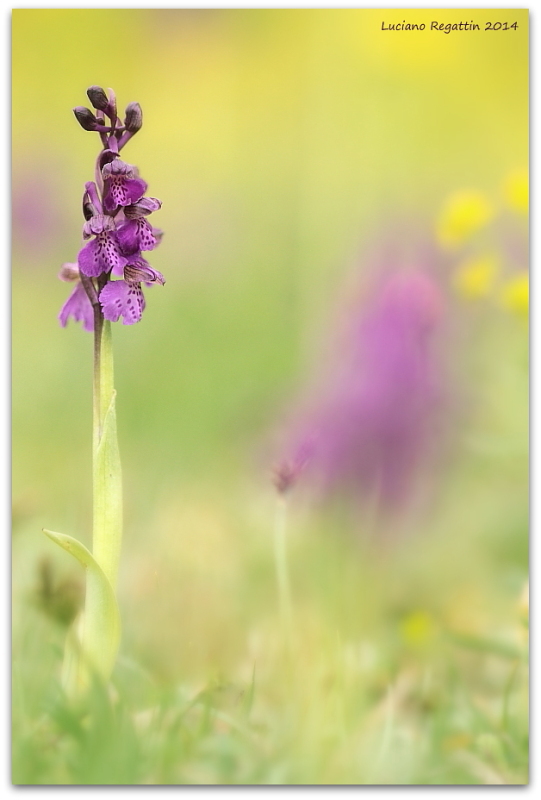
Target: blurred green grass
{"points": [[280, 142]]}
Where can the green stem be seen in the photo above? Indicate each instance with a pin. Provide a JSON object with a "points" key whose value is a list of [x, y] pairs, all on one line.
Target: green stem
{"points": [[107, 477], [92, 645], [282, 574], [100, 626]]}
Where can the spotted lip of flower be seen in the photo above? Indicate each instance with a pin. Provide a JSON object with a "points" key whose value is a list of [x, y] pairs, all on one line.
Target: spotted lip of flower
{"points": [[125, 298], [136, 233], [103, 254], [123, 187]]}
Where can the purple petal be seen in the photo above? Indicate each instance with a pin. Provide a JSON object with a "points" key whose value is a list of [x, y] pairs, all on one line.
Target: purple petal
{"points": [[122, 191], [121, 299], [79, 307], [135, 189], [115, 194], [147, 240], [101, 255], [128, 237], [118, 168], [135, 235], [158, 235], [118, 269], [99, 223]]}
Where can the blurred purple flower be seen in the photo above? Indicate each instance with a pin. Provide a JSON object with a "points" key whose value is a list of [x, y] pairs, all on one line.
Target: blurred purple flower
{"points": [[37, 224], [287, 473], [376, 417]]}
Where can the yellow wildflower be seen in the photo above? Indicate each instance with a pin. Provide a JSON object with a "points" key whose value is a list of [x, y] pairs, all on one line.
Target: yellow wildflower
{"points": [[475, 276], [418, 629], [515, 294], [464, 214], [516, 191]]}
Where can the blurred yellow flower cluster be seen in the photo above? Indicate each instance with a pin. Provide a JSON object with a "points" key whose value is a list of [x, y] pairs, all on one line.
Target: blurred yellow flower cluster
{"points": [[418, 629], [516, 191], [463, 220], [463, 215], [475, 276], [515, 294]]}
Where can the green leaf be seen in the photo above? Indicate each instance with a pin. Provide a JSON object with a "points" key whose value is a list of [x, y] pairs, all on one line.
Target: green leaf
{"points": [[504, 649], [93, 643]]}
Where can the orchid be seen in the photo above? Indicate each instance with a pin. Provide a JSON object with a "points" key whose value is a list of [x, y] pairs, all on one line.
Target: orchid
{"points": [[115, 211], [115, 231], [377, 417]]}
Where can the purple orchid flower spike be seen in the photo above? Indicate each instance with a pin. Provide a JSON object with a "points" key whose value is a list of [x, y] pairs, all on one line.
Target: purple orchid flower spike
{"points": [[375, 422], [382, 416], [115, 211], [122, 185], [125, 298]]}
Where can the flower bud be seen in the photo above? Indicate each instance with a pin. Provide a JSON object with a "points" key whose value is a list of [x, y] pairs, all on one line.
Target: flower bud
{"points": [[140, 271], [142, 208], [97, 97], [89, 209], [133, 121], [86, 118], [69, 272], [111, 105]]}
